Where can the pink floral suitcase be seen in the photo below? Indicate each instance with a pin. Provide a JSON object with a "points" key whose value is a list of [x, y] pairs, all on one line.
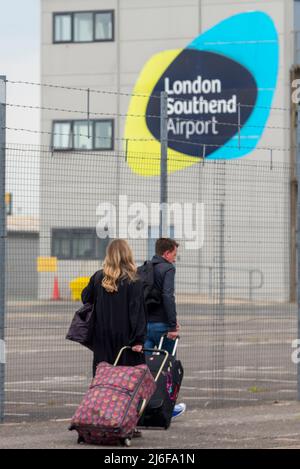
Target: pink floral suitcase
{"points": [[110, 409]]}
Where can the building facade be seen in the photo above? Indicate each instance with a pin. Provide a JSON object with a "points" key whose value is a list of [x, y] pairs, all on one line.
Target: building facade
{"points": [[95, 54]]}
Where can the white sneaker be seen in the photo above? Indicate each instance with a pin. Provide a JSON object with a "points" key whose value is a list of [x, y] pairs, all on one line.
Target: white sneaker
{"points": [[178, 410]]}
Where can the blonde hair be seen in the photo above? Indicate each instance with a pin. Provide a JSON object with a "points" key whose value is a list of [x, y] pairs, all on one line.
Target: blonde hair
{"points": [[118, 264]]}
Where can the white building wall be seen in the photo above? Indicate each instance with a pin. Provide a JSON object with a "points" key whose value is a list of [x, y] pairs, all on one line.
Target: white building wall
{"points": [[73, 185]]}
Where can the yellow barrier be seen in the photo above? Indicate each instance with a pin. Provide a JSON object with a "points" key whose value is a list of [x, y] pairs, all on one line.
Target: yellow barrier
{"points": [[76, 287]]}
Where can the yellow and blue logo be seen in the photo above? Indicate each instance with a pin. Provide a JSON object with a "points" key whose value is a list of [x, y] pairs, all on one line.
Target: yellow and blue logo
{"points": [[220, 90]]}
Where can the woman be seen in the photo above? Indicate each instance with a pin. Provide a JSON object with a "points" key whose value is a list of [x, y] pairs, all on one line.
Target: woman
{"points": [[120, 316]]}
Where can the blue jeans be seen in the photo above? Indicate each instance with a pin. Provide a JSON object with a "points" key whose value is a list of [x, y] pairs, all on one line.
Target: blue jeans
{"points": [[154, 332]]}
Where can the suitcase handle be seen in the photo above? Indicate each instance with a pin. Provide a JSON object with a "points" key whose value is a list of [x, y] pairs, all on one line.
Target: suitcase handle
{"points": [[175, 343], [158, 373], [155, 350]]}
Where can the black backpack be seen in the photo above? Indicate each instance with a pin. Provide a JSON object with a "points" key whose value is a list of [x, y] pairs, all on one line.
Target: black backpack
{"points": [[152, 295]]}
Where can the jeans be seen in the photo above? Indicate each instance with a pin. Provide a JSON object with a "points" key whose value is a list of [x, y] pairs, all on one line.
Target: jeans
{"points": [[154, 332]]}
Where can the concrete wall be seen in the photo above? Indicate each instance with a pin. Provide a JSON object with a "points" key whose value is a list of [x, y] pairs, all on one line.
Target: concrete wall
{"points": [[21, 267]]}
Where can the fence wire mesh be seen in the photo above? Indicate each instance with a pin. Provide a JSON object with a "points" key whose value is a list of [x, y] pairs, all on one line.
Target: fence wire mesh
{"points": [[233, 291]]}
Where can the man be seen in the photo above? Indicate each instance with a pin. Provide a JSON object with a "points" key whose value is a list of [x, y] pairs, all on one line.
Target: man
{"points": [[162, 317]]}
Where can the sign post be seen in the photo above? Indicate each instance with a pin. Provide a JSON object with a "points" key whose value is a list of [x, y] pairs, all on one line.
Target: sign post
{"points": [[298, 242], [2, 241], [163, 222]]}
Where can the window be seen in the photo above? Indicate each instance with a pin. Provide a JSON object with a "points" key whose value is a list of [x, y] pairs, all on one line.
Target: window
{"points": [[83, 26], [103, 26], [62, 135], [78, 243], [62, 28], [103, 134], [83, 135]]}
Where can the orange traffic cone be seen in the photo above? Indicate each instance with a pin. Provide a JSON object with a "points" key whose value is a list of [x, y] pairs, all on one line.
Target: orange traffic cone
{"points": [[55, 295]]}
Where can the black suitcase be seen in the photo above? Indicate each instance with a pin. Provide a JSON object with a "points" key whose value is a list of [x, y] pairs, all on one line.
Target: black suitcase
{"points": [[158, 412]]}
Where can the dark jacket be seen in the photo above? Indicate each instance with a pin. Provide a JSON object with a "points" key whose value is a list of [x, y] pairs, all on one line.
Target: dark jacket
{"points": [[120, 320], [164, 281]]}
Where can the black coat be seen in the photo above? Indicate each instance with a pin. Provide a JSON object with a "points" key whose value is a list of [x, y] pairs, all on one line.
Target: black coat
{"points": [[120, 320], [164, 282]]}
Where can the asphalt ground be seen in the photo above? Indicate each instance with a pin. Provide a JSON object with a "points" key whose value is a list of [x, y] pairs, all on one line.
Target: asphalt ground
{"points": [[232, 357], [261, 427]]}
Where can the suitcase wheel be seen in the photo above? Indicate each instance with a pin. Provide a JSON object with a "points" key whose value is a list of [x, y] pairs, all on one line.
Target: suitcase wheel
{"points": [[80, 440], [126, 441]]}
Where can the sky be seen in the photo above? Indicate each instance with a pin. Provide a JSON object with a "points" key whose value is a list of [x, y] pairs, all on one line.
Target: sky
{"points": [[20, 60]]}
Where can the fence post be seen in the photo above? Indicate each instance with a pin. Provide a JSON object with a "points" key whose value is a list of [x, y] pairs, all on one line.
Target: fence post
{"points": [[222, 257], [163, 222], [2, 240], [298, 239]]}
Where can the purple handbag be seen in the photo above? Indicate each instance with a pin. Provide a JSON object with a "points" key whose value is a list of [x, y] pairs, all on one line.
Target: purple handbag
{"points": [[82, 325], [81, 328]]}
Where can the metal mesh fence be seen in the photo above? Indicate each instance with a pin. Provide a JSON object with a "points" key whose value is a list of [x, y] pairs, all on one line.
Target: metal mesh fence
{"points": [[233, 276]]}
